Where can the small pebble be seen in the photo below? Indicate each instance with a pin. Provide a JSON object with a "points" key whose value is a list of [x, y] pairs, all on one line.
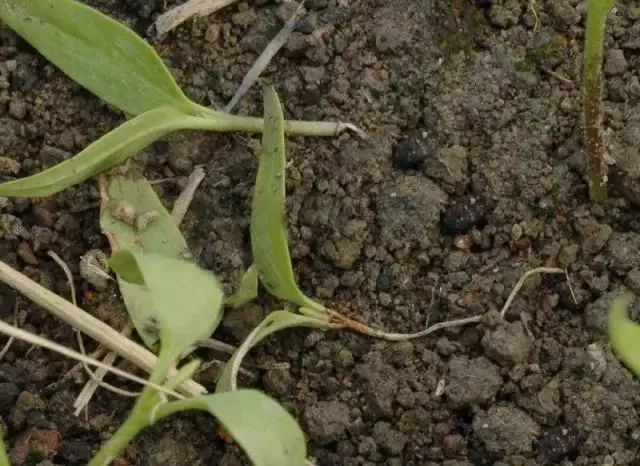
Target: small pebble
{"points": [[9, 166], [26, 253]]}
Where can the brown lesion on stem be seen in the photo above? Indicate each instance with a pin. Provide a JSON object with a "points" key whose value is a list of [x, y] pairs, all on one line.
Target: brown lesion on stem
{"points": [[594, 139]]}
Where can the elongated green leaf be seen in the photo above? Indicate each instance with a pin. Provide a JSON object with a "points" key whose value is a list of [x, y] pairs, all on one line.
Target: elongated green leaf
{"points": [[111, 149], [268, 230], [624, 334], [247, 289], [186, 300], [4, 461], [265, 430], [101, 54], [275, 321]]}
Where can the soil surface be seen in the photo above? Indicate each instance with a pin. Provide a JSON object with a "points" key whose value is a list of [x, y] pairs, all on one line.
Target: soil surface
{"points": [[472, 174]]}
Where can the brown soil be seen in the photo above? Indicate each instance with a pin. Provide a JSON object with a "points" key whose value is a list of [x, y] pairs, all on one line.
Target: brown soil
{"points": [[472, 174]]}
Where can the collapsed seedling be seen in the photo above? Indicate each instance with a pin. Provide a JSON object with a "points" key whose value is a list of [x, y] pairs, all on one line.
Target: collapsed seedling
{"points": [[597, 11]]}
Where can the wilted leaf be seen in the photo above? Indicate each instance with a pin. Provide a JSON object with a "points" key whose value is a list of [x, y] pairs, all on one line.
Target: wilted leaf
{"points": [[265, 430], [277, 320], [111, 149], [96, 51], [268, 229], [625, 334]]}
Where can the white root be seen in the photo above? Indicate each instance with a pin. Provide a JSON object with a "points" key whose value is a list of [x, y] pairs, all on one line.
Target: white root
{"points": [[183, 202]]}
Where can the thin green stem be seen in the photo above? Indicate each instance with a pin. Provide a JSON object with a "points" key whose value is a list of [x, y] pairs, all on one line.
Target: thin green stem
{"points": [[4, 461], [141, 416], [220, 121], [597, 11]]}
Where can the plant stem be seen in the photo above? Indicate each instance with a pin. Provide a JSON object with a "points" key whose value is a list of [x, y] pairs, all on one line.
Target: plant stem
{"points": [[140, 417], [220, 121], [597, 11], [4, 461]]}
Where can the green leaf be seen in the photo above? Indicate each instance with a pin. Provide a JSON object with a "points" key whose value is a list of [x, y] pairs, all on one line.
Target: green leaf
{"points": [[127, 267], [186, 300], [4, 460], [247, 289], [277, 320], [128, 195], [96, 51], [265, 430], [111, 149], [625, 334], [159, 233], [268, 229]]}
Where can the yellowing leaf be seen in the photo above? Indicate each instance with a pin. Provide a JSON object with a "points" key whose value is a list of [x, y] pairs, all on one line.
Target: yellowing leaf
{"points": [[96, 51]]}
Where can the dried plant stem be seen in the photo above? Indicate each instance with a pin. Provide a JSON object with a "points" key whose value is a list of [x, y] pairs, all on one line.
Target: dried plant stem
{"points": [[264, 59], [597, 11], [516, 289], [95, 378], [88, 324], [11, 339], [178, 15], [183, 202], [20, 334]]}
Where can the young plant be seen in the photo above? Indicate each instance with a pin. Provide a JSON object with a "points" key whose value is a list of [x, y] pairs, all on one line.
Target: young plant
{"points": [[174, 304], [597, 11], [272, 260], [624, 334], [118, 66]]}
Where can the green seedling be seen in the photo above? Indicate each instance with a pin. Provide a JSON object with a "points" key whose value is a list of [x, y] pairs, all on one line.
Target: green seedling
{"points": [[247, 289], [268, 230], [265, 430], [4, 461], [624, 334], [174, 304], [118, 66], [597, 11]]}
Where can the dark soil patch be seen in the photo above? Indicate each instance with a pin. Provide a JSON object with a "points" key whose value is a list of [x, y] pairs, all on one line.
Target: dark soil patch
{"points": [[471, 176]]}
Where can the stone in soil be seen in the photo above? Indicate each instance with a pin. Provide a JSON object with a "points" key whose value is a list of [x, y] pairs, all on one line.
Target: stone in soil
{"points": [[471, 382], [463, 214], [413, 150], [409, 210], [327, 421], [508, 344], [380, 382], [505, 430]]}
